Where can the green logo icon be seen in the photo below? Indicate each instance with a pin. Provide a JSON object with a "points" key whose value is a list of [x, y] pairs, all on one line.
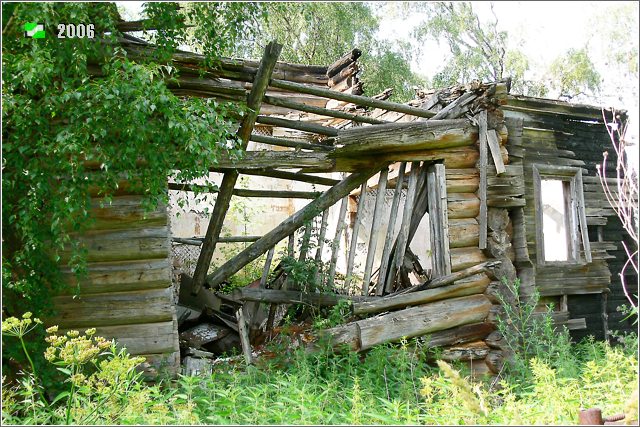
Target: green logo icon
{"points": [[34, 30]]}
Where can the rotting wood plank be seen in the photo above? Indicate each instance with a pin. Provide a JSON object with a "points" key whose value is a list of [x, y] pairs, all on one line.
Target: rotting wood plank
{"points": [[354, 235], [439, 224], [321, 235], [375, 225], [244, 336], [384, 264], [494, 147], [403, 237], [335, 245], [418, 298], [289, 225], [293, 176], [267, 65]]}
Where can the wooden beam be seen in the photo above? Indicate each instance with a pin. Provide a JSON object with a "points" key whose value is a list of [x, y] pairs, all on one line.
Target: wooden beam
{"points": [[275, 159], [267, 64], [297, 125], [417, 298], [403, 236], [496, 153], [242, 192], [439, 219], [292, 143], [289, 225], [343, 62], [244, 336], [335, 246], [281, 102], [356, 99], [197, 241], [375, 225], [293, 176], [447, 280], [412, 136], [384, 264], [353, 248]]}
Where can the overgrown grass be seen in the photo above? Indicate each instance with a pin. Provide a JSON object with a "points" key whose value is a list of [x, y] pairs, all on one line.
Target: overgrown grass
{"points": [[389, 385]]}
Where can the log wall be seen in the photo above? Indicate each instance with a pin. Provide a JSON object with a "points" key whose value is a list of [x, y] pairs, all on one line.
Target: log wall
{"points": [[127, 292], [544, 132]]}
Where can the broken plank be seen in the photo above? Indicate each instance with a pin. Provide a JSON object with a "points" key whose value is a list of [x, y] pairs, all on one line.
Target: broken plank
{"points": [[494, 147]]}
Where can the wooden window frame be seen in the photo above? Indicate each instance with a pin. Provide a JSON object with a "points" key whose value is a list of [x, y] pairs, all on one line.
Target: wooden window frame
{"points": [[577, 234]]}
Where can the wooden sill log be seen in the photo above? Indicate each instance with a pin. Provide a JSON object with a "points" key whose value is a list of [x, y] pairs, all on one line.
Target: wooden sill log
{"points": [[417, 298], [450, 278], [410, 322]]}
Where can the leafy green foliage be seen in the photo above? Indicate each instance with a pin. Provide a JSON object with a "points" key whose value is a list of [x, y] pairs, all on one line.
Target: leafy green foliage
{"points": [[318, 33], [574, 72], [80, 117]]}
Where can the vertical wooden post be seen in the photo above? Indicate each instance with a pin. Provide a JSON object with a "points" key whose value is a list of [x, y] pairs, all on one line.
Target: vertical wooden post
{"points": [[402, 242], [306, 238], [375, 224], [260, 83], [323, 232], [384, 263], [439, 220], [353, 248], [335, 245]]}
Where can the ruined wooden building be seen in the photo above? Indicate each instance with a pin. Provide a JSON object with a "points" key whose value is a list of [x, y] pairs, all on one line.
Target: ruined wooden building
{"points": [[432, 203]]}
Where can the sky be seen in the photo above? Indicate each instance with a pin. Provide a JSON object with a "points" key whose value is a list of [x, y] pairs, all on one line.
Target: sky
{"points": [[543, 30]]}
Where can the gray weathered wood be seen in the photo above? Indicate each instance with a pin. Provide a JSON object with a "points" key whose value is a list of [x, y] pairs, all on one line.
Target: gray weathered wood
{"points": [[335, 245], [447, 280], [244, 336], [406, 136], [288, 226], [242, 192], [418, 298], [293, 176], [375, 225], [439, 220], [271, 53], [582, 219], [411, 322], [494, 147], [353, 248], [482, 190], [292, 143], [297, 125], [281, 102], [321, 235], [384, 264], [267, 267], [402, 241], [356, 99]]}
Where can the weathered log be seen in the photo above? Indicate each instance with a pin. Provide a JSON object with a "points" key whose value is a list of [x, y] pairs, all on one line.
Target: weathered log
{"points": [[439, 220], [460, 334], [281, 102], [462, 205], [292, 143], [356, 99], [411, 136], [343, 62], [448, 279], [353, 247], [289, 225], [463, 232], [375, 224], [463, 258], [337, 238], [267, 64], [462, 180], [344, 74], [411, 322], [297, 125], [275, 159], [244, 336], [292, 176], [482, 190], [242, 192], [417, 298]]}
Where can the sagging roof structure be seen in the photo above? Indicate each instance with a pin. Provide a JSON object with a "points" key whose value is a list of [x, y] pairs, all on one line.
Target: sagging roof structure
{"points": [[473, 159]]}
